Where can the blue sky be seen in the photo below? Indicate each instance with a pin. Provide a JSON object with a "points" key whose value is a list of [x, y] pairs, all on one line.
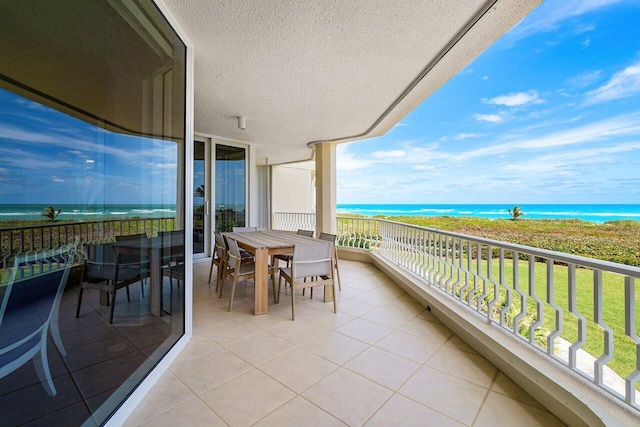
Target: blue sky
{"points": [[47, 157], [550, 113]]}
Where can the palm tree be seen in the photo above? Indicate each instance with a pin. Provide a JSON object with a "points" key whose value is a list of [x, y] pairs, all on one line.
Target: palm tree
{"points": [[199, 191], [515, 213], [51, 213]]}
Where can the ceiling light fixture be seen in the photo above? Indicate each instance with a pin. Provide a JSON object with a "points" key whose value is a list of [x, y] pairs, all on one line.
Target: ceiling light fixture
{"points": [[242, 123]]}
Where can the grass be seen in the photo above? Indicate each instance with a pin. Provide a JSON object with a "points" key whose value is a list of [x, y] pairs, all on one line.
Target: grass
{"points": [[615, 241]]}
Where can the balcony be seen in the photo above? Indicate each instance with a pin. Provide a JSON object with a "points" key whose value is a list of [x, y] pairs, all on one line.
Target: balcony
{"points": [[382, 359]]}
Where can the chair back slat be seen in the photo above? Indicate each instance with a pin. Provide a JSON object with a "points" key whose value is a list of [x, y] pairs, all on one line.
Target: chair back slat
{"points": [[306, 233], [234, 250], [328, 237]]}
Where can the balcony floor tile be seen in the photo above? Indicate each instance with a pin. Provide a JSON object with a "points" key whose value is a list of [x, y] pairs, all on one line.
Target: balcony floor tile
{"points": [[383, 359]]}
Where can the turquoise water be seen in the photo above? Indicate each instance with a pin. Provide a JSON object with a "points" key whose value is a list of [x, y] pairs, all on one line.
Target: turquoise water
{"points": [[592, 213], [30, 212]]}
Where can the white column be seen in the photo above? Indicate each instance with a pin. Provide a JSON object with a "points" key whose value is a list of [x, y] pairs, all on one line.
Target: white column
{"points": [[325, 188]]}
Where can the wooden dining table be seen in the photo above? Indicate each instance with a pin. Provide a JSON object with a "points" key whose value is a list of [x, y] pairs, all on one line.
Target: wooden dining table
{"points": [[263, 244]]}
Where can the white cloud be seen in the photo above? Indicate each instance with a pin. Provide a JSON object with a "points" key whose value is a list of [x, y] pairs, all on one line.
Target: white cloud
{"points": [[515, 99], [493, 118], [584, 79], [463, 135], [346, 161], [585, 44], [622, 84], [485, 77], [388, 154], [163, 166], [423, 167], [624, 125], [550, 14], [571, 158]]}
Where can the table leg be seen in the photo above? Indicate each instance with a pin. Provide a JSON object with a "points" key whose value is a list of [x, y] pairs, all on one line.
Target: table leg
{"points": [[104, 298], [156, 282], [261, 284]]}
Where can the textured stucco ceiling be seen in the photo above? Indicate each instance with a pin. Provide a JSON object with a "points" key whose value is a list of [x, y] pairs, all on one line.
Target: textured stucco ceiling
{"points": [[332, 70]]}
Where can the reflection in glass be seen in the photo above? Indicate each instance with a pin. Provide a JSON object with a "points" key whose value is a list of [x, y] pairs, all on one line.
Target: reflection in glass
{"points": [[230, 187], [92, 114], [199, 197]]}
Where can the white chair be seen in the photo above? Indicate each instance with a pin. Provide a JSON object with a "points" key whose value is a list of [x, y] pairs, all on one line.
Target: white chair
{"points": [[239, 271], [287, 257], [332, 238], [37, 282], [309, 261]]}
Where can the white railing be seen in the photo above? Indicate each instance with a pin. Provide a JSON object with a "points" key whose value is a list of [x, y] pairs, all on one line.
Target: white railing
{"points": [[359, 233], [31, 238], [576, 310], [292, 221]]}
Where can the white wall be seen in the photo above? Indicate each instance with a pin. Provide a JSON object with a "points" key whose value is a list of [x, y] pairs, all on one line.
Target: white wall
{"points": [[292, 188]]}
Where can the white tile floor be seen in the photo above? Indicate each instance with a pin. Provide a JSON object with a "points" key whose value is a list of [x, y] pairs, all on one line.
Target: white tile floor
{"points": [[381, 360]]}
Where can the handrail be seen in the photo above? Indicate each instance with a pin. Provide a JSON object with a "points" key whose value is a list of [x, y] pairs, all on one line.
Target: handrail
{"points": [[566, 306], [30, 238], [292, 221]]}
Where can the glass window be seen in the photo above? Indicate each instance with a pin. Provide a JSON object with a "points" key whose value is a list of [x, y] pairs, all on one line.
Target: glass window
{"points": [[92, 122], [230, 180]]}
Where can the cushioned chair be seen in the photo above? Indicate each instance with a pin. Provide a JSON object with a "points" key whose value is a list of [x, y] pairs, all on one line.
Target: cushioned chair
{"points": [[287, 257], [246, 256], [218, 259], [29, 310], [104, 271], [311, 261], [132, 258], [332, 238], [240, 271]]}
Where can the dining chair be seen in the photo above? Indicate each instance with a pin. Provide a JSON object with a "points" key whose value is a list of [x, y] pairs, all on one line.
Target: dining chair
{"points": [[172, 272], [131, 258], [313, 260], [172, 254], [240, 271], [104, 271], [287, 257], [219, 259], [332, 238], [246, 256], [29, 310]]}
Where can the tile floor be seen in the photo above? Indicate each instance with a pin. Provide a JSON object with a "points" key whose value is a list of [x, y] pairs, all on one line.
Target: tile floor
{"points": [[381, 360]]}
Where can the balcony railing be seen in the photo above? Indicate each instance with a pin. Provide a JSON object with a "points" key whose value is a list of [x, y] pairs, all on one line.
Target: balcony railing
{"points": [[580, 312], [23, 240], [292, 221]]}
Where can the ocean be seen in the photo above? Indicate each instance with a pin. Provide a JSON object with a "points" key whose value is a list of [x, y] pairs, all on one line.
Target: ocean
{"points": [[592, 213], [585, 212], [82, 212]]}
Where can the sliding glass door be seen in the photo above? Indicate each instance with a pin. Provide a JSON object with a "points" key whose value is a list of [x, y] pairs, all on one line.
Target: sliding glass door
{"points": [[201, 198], [231, 186]]}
